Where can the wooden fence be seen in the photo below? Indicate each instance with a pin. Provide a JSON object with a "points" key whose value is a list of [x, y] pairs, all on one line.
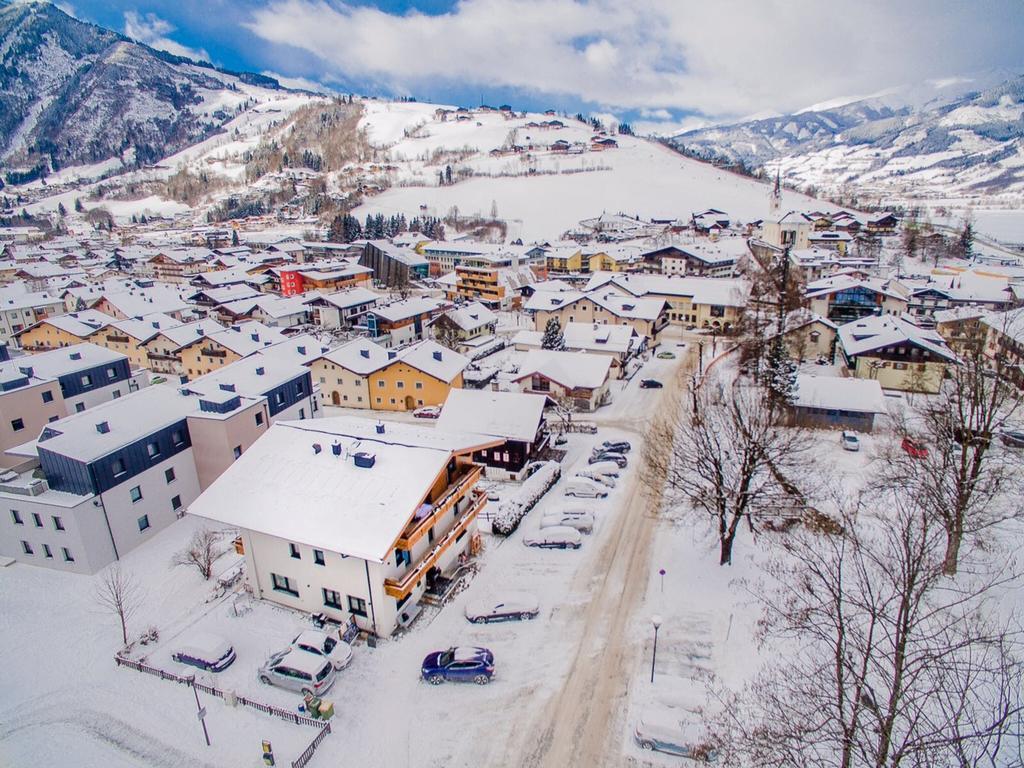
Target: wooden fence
{"points": [[308, 753], [284, 714]]}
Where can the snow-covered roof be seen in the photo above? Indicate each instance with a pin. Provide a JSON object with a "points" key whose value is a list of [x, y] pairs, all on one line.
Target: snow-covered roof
{"points": [[350, 297], [64, 360], [404, 309], [471, 316], [836, 283], [230, 292], [361, 356], [402, 255], [1010, 323], [182, 334], [434, 360], [512, 415], [879, 332], [80, 324], [701, 290], [304, 349], [282, 487], [253, 376], [146, 301], [245, 338], [846, 394], [570, 369]]}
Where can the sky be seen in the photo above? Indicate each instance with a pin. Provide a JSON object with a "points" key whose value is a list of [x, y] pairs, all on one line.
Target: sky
{"points": [[661, 65]]}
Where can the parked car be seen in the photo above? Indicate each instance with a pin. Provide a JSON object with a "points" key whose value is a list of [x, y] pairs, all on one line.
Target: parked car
{"points": [[206, 651], [849, 441], [458, 664], [618, 458], [561, 439], [557, 537], [666, 355], [508, 606], [338, 652], [619, 446], [606, 468], [427, 412], [1014, 438], [683, 741], [651, 384], [914, 448], [584, 488], [582, 523], [606, 480], [299, 671]]}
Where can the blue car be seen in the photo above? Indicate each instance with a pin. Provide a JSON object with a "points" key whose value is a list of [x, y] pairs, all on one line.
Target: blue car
{"points": [[464, 665]]}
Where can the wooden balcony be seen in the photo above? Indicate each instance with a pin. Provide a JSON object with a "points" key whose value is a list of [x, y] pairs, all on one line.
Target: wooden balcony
{"points": [[417, 529], [400, 588]]}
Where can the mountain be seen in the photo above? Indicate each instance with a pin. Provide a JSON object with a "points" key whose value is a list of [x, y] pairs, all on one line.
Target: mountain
{"points": [[72, 93], [968, 144]]}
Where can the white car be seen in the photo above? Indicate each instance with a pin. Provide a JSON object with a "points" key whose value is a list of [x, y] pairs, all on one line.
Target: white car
{"points": [[606, 480], [320, 643], [585, 488], [850, 441], [558, 537], [582, 523], [427, 412], [605, 468], [508, 606]]}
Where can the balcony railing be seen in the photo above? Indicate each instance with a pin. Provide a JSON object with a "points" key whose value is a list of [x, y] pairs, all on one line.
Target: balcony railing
{"points": [[208, 352], [400, 588], [417, 529]]}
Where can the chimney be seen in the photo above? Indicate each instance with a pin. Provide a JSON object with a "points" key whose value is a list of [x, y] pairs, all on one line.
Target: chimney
{"points": [[302, 350], [380, 427], [336, 448], [103, 427], [437, 356], [316, 448], [392, 355], [365, 353], [76, 355], [260, 371], [254, 336]]}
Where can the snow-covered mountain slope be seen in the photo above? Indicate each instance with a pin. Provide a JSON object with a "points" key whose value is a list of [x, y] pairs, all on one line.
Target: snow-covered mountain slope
{"points": [[968, 145], [72, 94]]}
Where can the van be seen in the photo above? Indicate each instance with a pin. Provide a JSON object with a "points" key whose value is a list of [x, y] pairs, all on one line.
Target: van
{"points": [[580, 486], [606, 468], [606, 480], [208, 652], [582, 523]]}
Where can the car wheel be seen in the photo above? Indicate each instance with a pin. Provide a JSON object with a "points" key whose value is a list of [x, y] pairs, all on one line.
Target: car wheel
{"points": [[307, 692], [525, 616], [477, 620], [481, 679], [647, 745], [435, 679], [264, 679]]}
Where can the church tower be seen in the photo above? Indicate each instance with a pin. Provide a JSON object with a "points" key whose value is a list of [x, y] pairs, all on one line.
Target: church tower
{"points": [[775, 200]]}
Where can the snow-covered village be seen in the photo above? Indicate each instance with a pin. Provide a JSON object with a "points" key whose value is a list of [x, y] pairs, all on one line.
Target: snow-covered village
{"points": [[577, 398]]}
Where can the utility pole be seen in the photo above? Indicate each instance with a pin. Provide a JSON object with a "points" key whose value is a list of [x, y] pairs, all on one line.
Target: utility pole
{"points": [[200, 712]]}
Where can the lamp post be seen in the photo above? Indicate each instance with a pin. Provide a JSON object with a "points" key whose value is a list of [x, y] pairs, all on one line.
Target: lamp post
{"points": [[656, 621], [662, 574]]}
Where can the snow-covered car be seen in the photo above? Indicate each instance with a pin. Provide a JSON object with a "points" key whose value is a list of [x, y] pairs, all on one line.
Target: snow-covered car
{"points": [[558, 537], [619, 446], [849, 441], [674, 740], [508, 606], [606, 480], [666, 355], [206, 651], [584, 488], [338, 652], [298, 671], [618, 458], [1013, 438], [582, 523], [561, 439], [427, 412], [606, 468]]}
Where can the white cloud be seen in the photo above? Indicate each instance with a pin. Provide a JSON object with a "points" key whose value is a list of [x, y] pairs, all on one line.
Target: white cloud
{"points": [[727, 58], [152, 30], [301, 83]]}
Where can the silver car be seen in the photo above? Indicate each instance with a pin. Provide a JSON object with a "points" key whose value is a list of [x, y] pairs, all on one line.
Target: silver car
{"points": [[320, 643], [298, 670], [508, 606]]}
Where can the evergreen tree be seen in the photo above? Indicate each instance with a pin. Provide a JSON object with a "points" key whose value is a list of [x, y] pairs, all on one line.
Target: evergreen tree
{"points": [[78, 205], [553, 338], [448, 175], [350, 228], [234, 238], [336, 230], [61, 210], [143, 219], [779, 376], [965, 244], [440, 178]]}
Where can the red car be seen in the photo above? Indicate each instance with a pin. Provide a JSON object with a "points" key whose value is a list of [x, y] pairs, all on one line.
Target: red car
{"points": [[914, 448]]}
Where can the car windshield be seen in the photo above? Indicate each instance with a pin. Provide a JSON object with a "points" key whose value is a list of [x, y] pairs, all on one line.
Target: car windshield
{"points": [[324, 671], [445, 658], [329, 644]]}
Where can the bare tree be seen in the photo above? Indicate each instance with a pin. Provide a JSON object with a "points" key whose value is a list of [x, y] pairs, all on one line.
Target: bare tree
{"points": [[728, 457], [961, 477], [882, 660], [119, 593], [202, 552]]}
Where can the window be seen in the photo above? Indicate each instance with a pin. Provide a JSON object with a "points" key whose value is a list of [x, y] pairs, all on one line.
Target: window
{"points": [[67, 555], [136, 494], [357, 606], [302, 413], [27, 549], [16, 517], [17, 424], [169, 475], [259, 419], [400, 384], [419, 385], [318, 556], [86, 380], [116, 394], [58, 524], [178, 438], [47, 396], [118, 467], [53, 419], [380, 383], [392, 401], [153, 449], [332, 599], [37, 520], [143, 523], [294, 550], [279, 398], [176, 503], [79, 407], [283, 584], [47, 552], [237, 451], [111, 373]]}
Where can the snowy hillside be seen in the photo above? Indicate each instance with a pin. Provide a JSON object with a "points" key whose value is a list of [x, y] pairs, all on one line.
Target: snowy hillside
{"points": [[968, 146]]}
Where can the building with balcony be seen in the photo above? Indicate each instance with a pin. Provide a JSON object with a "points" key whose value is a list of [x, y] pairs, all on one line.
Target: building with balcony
{"points": [[20, 311], [393, 265], [351, 519], [63, 330], [896, 353]]}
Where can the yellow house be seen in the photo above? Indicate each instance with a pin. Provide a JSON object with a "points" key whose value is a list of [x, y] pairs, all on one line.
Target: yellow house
{"points": [[212, 351], [897, 354], [564, 260], [129, 337], [344, 373], [64, 330]]}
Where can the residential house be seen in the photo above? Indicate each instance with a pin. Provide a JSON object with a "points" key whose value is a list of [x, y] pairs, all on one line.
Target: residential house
{"points": [[215, 349], [392, 265], [21, 310], [576, 379], [402, 322], [464, 328], [342, 309], [843, 298], [63, 330], [162, 348], [895, 352], [834, 403], [619, 342]]}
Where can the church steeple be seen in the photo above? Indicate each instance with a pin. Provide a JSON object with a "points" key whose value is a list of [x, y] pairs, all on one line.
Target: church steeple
{"points": [[775, 200]]}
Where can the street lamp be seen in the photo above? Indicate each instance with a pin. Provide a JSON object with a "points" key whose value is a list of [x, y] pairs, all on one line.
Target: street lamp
{"points": [[656, 621]]}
